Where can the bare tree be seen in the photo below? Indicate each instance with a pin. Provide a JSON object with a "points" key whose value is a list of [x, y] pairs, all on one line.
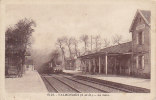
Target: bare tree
{"points": [[60, 42], [54, 57], [84, 39], [91, 42], [97, 42], [68, 42], [106, 42], [117, 39], [75, 43]]}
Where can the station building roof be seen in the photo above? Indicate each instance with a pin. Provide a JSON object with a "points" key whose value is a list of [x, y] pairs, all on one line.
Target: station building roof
{"points": [[124, 48], [120, 48], [146, 16]]}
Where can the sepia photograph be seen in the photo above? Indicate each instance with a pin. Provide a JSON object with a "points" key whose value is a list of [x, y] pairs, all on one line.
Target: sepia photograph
{"points": [[76, 47]]}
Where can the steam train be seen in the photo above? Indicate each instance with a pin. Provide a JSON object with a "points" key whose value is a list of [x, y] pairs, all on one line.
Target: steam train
{"points": [[57, 69], [51, 69]]}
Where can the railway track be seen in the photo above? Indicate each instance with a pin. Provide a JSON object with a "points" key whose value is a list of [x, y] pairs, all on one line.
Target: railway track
{"points": [[60, 84], [49, 85], [65, 83], [119, 86], [57, 86], [81, 87], [110, 86], [104, 87]]}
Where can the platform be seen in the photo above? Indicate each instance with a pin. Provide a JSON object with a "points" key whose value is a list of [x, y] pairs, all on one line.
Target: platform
{"points": [[30, 82]]}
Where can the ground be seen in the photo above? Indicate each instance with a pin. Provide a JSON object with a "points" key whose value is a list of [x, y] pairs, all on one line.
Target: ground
{"points": [[30, 82]]}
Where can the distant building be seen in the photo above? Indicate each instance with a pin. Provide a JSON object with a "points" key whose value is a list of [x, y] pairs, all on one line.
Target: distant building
{"points": [[78, 64], [70, 64], [131, 58], [73, 63], [29, 66]]}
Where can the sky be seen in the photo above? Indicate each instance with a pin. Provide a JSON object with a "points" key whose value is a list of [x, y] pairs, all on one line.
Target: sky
{"points": [[67, 19]]}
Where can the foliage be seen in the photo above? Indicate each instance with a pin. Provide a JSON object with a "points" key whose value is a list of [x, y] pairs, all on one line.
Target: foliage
{"points": [[17, 39]]}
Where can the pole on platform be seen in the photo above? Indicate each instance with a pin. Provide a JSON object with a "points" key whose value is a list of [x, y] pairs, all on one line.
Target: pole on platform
{"points": [[115, 67], [94, 65], [99, 64], [106, 64], [89, 65]]}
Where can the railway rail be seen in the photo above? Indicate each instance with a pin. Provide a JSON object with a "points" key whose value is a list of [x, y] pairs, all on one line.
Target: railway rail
{"points": [[57, 86], [105, 87], [81, 87], [119, 86], [60, 83], [49, 85]]}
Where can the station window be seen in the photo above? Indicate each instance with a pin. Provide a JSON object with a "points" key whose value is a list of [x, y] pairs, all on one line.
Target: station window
{"points": [[140, 38]]}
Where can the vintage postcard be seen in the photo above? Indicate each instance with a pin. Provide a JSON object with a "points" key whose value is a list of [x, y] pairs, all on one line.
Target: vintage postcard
{"points": [[91, 49]]}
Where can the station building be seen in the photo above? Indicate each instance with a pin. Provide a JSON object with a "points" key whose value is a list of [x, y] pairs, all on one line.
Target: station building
{"points": [[131, 58]]}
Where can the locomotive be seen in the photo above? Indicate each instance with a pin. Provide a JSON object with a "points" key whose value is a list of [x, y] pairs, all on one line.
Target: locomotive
{"points": [[57, 69]]}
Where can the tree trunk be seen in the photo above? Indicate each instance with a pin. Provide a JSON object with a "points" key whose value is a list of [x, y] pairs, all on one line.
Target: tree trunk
{"points": [[63, 58], [22, 66], [76, 51], [70, 52]]}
